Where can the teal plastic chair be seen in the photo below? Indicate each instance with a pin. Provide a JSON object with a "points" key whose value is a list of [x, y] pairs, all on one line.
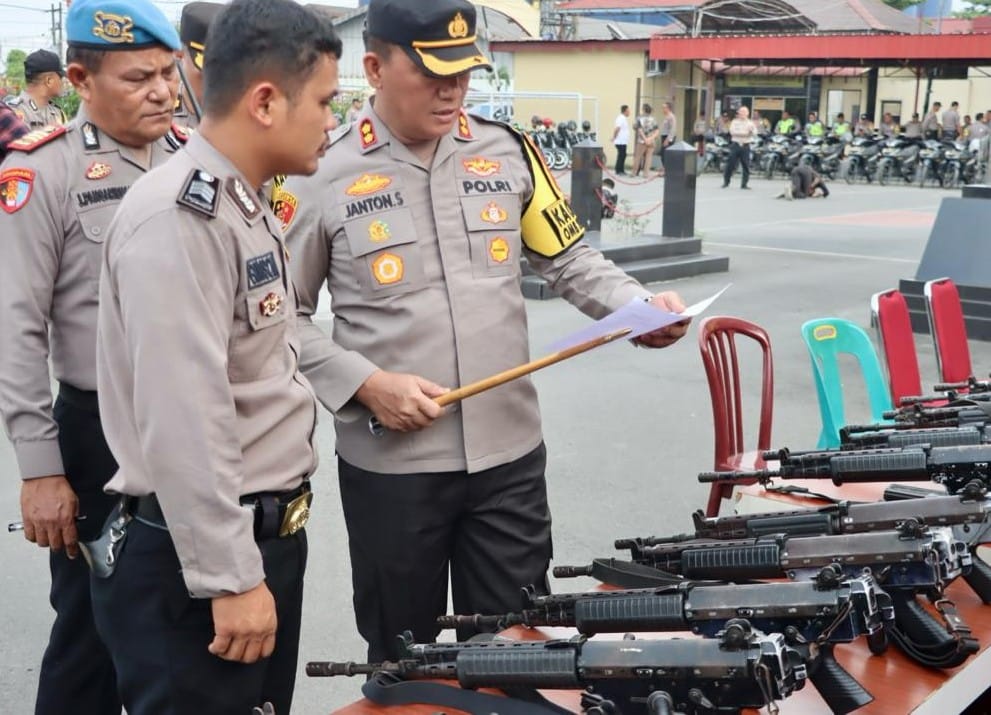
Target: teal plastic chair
{"points": [[826, 339]]}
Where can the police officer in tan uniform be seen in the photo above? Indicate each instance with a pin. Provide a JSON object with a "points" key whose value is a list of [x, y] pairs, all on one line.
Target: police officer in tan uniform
{"points": [[193, 26], [43, 73], [200, 392], [417, 221], [59, 189]]}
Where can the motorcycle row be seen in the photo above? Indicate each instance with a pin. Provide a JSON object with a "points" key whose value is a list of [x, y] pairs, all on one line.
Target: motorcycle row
{"points": [[556, 143], [886, 160]]}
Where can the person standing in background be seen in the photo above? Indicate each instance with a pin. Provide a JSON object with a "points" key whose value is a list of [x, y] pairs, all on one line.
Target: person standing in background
{"points": [[931, 127], [669, 128], [742, 132], [44, 74], [951, 121], [647, 133], [621, 137], [60, 188], [193, 26], [353, 111]]}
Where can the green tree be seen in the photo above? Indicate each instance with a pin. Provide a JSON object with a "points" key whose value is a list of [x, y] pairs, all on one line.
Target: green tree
{"points": [[902, 4], [69, 103], [976, 9], [15, 68]]}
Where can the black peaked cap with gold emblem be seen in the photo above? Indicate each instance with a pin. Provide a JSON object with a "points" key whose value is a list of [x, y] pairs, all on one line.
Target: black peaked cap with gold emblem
{"points": [[196, 19], [439, 35]]}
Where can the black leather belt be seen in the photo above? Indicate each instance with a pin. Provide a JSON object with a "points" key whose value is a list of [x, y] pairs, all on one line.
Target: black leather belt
{"points": [[276, 513]]}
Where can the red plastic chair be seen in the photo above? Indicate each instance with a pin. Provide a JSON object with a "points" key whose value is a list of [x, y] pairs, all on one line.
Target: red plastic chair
{"points": [[949, 331], [718, 344], [890, 317]]}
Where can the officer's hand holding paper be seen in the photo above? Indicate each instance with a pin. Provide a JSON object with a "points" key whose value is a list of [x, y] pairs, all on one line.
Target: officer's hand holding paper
{"points": [[652, 324]]}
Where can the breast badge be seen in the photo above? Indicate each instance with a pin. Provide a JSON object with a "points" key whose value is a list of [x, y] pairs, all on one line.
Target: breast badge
{"points": [[480, 166], [379, 231], [499, 249], [388, 269], [368, 184], [15, 188], [494, 213], [98, 170], [270, 305]]}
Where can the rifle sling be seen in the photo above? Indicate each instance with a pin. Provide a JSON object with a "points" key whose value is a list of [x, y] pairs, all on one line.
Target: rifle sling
{"points": [[388, 689], [958, 649]]}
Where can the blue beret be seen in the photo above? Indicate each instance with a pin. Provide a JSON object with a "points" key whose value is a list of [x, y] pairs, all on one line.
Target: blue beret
{"points": [[119, 25]]}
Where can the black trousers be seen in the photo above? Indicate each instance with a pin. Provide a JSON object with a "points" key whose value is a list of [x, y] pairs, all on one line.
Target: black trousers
{"points": [[77, 674], [620, 158], [492, 530], [738, 153], [158, 635]]}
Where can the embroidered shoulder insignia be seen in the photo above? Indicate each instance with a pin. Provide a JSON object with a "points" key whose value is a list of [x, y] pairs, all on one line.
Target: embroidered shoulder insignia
{"points": [[91, 136], [39, 137], [201, 193], [464, 128], [248, 206], [15, 188]]}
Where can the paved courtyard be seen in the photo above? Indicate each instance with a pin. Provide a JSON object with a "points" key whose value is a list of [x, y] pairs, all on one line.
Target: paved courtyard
{"points": [[626, 430]]}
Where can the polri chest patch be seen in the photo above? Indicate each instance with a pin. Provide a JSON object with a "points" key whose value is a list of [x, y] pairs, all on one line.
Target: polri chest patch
{"points": [[262, 270]]}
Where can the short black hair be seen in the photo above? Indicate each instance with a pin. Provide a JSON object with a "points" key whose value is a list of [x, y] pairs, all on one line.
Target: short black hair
{"points": [[377, 45], [88, 58], [624, 107], [278, 40]]}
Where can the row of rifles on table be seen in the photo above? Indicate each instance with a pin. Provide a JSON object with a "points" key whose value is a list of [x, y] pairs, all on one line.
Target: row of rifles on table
{"points": [[853, 570]]}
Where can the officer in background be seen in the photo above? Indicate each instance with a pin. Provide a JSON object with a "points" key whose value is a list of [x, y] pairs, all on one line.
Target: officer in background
{"points": [[43, 73], [59, 189], [193, 26], [200, 390], [417, 220]]}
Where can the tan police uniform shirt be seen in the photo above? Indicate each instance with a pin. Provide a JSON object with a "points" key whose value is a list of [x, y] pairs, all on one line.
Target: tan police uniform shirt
{"points": [[57, 202], [36, 115], [423, 266], [201, 397]]}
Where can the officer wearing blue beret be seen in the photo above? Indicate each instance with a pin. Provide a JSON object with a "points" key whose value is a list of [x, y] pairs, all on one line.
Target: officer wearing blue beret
{"points": [[59, 189]]}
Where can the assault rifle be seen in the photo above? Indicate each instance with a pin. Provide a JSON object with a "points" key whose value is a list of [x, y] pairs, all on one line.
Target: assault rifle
{"points": [[899, 438], [953, 467], [964, 412], [913, 560], [968, 512], [741, 669], [812, 616]]}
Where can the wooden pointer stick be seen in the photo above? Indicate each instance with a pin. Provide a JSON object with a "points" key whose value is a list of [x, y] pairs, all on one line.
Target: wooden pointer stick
{"points": [[449, 398]]}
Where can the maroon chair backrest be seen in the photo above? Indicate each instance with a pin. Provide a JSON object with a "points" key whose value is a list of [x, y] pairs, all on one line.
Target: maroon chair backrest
{"points": [[897, 342], [718, 346], [949, 330]]}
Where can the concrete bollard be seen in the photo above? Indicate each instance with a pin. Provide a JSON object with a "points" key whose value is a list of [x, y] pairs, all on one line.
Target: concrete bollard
{"points": [[680, 174], [587, 159]]}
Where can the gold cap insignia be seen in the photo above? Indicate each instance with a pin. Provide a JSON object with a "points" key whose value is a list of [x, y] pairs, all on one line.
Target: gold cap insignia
{"points": [[458, 27], [113, 28]]}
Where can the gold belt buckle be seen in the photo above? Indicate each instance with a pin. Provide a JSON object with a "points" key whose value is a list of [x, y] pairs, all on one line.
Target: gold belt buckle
{"points": [[297, 514]]}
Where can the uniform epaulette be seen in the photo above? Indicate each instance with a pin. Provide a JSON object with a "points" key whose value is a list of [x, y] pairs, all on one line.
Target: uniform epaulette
{"points": [[201, 193], [34, 139], [340, 133], [13, 101]]}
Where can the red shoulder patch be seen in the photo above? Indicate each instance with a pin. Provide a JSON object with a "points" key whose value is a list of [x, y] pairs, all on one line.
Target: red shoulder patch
{"points": [[32, 140], [16, 185]]}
